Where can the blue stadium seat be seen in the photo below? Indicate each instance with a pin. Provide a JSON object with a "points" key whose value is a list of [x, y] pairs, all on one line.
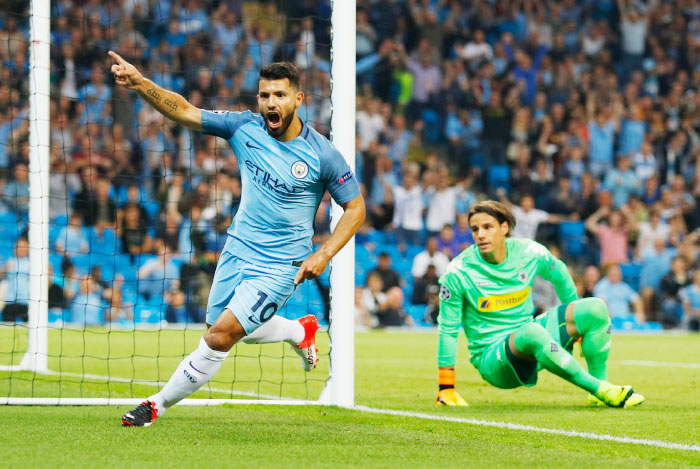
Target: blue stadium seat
{"points": [[124, 267], [403, 266], [375, 237], [477, 160], [106, 244], [367, 263], [630, 325], [10, 229], [433, 126], [54, 231], [413, 251], [6, 252], [146, 314], [391, 249], [361, 252], [631, 273], [573, 237], [81, 263], [417, 312], [652, 326], [360, 274], [623, 324], [123, 261], [317, 310], [141, 259], [152, 208], [61, 220], [59, 315], [499, 177], [56, 261], [299, 296], [389, 237], [314, 295]]}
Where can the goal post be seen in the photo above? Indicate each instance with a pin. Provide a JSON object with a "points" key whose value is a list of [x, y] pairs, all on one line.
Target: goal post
{"points": [[36, 357], [44, 364], [342, 326]]}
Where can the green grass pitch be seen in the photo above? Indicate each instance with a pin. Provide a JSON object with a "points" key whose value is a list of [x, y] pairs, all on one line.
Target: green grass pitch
{"points": [[394, 370]]}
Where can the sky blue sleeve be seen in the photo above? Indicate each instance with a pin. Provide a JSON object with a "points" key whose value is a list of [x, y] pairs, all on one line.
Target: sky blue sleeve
{"points": [[224, 123], [337, 177]]}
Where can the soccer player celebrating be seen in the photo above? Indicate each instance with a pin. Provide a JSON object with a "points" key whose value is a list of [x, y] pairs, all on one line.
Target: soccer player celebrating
{"points": [[488, 289], [286, 167]]}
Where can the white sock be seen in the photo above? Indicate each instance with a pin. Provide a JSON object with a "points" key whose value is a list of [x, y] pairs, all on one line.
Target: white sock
{"points": [[192, 373], [277, 329]]}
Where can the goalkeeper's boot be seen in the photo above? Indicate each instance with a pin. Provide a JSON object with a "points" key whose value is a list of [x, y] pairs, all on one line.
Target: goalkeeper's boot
{"points": [[594, 401], [617, 396], [450, 397], [306, 349], [142, 416], [634, 400]]}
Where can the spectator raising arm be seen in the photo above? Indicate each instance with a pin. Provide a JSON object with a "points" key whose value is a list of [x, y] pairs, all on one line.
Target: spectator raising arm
{"points": [[593, 222]]}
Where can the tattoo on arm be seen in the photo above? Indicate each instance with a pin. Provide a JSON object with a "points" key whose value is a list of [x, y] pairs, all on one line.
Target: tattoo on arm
{"points": [[171, 104], [153, 93]]}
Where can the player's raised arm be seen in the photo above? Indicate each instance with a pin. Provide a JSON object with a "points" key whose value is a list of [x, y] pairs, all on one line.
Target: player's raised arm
{"points": [[170, 104]]}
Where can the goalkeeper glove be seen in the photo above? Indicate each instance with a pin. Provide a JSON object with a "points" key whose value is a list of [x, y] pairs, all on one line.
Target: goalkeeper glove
{"points": [[448, 395]]}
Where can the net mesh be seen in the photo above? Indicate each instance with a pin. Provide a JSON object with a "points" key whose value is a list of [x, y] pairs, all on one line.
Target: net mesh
{"points": [[139, 206]]}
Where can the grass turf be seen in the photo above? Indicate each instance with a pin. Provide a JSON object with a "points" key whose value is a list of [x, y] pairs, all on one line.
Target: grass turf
{"points": [[393, 370]]}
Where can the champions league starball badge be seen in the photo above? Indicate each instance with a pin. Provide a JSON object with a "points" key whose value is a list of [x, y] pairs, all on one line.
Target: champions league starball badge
{"points": [[445, 293]]}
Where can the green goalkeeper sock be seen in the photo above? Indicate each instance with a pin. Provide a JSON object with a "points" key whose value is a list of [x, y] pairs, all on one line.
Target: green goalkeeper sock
{"points": [[533, 339], [593, 324]]}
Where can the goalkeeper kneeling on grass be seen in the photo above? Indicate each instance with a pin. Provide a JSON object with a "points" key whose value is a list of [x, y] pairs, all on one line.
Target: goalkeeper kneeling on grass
{"points": [[488, 289]]}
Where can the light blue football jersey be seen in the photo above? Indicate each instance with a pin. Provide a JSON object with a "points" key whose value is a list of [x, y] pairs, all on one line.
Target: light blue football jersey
{"points": [[282, 184]]}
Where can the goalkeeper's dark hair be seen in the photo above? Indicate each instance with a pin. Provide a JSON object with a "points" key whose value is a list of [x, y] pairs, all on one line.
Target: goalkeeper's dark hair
{"points": [[497, 210], [279, 71]]}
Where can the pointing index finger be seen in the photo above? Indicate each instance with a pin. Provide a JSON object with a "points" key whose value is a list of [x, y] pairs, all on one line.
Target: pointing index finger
{"points": [[118, 58]]}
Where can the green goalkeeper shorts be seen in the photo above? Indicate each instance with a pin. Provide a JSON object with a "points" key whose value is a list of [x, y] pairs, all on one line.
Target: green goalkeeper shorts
{"points": [[500, 368]]}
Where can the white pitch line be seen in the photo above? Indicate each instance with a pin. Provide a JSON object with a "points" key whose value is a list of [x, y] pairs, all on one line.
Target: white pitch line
{"points": [[109, 401], [398, 413], [663, 364], [108, 379], [530, 428], [442, 418]]}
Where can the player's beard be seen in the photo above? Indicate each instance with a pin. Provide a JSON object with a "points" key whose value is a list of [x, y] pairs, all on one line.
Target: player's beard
{"points": [[286, 122]]}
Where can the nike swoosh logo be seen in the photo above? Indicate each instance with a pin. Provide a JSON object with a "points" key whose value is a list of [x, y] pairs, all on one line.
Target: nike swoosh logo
{"points": [[195, 369], [252, 146]]}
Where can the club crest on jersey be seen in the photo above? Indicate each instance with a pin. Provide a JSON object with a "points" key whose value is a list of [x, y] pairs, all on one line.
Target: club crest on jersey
{"points": [[522, 276], [300, 170], [445, 293]]}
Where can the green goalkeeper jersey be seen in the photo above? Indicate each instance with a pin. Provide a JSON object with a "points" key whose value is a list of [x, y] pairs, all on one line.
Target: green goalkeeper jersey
{"points": [[493, 300]]}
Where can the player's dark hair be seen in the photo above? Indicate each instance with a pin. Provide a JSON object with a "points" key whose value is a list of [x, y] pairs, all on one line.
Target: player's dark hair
{"points": [[279, 71], [497, 210]]}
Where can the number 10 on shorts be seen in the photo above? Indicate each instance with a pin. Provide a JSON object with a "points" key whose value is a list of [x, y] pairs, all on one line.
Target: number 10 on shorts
{"points": [[265, 313]]}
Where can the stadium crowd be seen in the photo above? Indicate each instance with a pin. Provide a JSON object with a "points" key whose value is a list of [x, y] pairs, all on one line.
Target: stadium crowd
{"points": [[583, 116]]}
